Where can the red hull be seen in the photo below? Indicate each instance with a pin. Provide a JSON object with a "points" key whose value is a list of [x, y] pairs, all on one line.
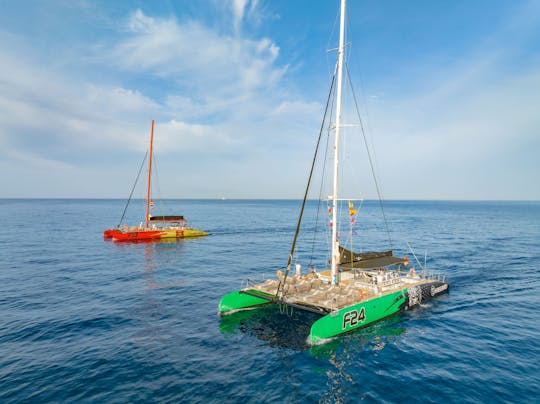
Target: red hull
{"points": [[110, 233], [139, 235], [177, 224]]}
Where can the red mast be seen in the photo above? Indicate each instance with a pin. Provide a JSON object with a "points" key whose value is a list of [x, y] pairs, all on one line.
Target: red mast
{"points": [[149, 178]]}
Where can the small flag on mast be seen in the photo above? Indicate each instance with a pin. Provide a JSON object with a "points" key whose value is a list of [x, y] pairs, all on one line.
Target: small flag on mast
{"points": [[352, 210]]}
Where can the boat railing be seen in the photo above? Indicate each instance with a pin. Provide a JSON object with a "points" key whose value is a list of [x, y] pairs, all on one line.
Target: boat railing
{"points": [[434, 276], [246, 283]]}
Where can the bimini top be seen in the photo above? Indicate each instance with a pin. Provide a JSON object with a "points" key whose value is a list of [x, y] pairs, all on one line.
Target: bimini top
{"points": [[167, 219], [367, 260]]}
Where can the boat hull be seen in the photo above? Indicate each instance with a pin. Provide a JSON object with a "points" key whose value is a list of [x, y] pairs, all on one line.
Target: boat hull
{"points": [[346, 319], [147, 235], [365, 313], [238, 300], [109, 233]]}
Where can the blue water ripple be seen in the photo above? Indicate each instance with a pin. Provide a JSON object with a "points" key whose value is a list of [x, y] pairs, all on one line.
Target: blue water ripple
{"points": [[83, 319]]}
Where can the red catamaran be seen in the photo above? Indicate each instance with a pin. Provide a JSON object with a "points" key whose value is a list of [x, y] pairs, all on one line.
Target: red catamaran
{"points": [[155, 227]]}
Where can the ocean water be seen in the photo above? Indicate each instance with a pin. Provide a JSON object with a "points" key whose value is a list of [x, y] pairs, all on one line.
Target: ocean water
{"points": [[84, 319]]}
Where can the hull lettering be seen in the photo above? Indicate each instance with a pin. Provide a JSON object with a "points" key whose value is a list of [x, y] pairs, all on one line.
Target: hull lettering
{"points": [[439, 289], [353, 318]]}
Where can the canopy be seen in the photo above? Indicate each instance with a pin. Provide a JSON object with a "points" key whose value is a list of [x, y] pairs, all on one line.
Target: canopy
{"points": [[167, 218], [367, 260]]}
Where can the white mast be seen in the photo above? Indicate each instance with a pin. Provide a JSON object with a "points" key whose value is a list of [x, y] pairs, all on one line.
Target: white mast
{"points": [[335, 243]]}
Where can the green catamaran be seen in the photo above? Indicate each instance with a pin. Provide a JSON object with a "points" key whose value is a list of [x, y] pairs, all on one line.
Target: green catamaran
{"points": [[359, 288]]}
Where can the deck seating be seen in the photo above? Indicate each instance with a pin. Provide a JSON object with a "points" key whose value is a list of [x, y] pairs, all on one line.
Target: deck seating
{"points": [[310, 289]]}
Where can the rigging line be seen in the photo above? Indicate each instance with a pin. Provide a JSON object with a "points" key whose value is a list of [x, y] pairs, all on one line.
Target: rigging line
{"points": [[282, 282], [369, 158], [322, 179], [414, 255], [132, 189], [328, 65], [319, 201], [328, 233]]}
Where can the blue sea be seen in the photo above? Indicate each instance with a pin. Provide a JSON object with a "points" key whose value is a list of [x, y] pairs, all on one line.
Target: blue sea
{"points": [[83, 319]]}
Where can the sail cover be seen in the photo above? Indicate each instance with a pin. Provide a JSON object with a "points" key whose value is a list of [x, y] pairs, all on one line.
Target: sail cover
{"points": [[167, 218], [367, 260]]}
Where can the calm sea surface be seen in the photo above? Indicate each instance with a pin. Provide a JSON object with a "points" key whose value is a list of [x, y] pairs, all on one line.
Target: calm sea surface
{"points": [[85, 319]]}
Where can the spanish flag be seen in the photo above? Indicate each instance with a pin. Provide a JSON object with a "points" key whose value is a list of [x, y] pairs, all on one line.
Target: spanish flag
{"points": [[352, 210]]}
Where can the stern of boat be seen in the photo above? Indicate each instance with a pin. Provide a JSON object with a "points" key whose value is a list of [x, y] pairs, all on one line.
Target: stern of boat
{"points": [[241, 300], [355, 316]]}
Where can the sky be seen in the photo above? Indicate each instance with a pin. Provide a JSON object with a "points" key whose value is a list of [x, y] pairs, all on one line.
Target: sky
{"points": [[449, 95]]}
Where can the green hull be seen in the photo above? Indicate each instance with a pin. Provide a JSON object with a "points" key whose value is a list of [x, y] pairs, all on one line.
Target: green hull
{"points": [[356, 316], [237, 300], [347, 319]]}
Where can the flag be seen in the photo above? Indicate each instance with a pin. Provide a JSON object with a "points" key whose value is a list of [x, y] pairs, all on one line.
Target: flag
{"points": [[352, 210]]}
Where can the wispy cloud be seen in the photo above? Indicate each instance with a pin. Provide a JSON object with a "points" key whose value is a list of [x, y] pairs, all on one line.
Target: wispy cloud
{"points": [[220, 88], [195, 56], [59, 117], [242, 9], [238, 7], [218, 96], [465, 127]]}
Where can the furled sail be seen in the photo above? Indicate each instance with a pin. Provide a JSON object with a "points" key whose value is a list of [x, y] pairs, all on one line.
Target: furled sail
{"points": [[167, 218], [367, 260]]}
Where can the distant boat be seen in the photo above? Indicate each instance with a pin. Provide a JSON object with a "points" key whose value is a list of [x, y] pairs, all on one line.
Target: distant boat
{"points": [[359, 288], [155, 227]]}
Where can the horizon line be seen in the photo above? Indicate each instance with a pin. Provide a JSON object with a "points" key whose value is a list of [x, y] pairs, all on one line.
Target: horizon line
{"points": [[269, 199]]}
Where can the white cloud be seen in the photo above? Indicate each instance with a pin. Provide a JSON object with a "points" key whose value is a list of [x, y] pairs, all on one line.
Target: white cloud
{"points": [[174, 136], [238, 7], [241, 11], [30, 159], [60, 115], [119, 99], [52, 116], [219, 107], [196, 57], [216, 97], [457, 137], [224, 85]]}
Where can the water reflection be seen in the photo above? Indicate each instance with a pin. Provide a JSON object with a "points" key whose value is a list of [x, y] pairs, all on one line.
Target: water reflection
{"points": [[336, 364], [352, 353], [151, 312], [291, 330], [155, 253], [274, 327]]}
